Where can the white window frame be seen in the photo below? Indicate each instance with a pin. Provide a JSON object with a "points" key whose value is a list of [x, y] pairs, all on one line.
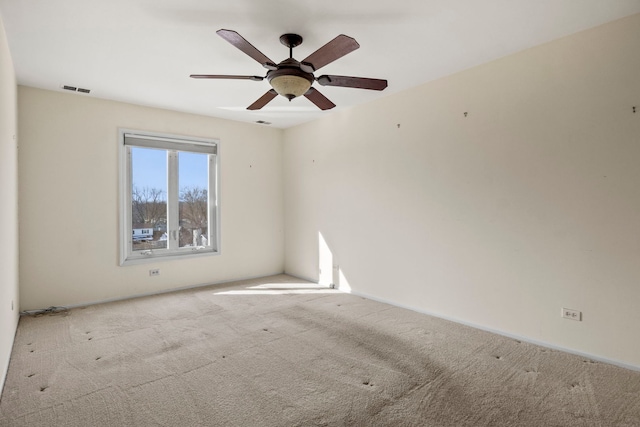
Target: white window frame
{"points": [[173, 144]]}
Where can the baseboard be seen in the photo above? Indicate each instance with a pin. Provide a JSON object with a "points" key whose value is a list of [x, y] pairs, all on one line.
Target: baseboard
{"points": [[503, 333], [148, 294], [373, 298], [5, 369]]}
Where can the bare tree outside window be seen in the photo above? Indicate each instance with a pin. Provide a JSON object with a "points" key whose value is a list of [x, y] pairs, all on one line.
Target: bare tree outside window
{"points": [[193, 215], [149, 206]]}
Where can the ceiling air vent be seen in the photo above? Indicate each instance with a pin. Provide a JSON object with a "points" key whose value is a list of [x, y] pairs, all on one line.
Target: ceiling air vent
{"points": [[76, 89], [262, 122]]}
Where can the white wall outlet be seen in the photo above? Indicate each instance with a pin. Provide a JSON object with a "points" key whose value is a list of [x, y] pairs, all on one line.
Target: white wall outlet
{"points": [[154, 272], [568, 313]]}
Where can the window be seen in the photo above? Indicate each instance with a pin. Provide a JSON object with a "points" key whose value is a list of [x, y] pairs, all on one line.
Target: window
{"points": [[168, 196]]}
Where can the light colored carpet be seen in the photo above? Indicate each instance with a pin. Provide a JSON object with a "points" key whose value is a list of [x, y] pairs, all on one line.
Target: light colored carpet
{"points": [[283, 352]]}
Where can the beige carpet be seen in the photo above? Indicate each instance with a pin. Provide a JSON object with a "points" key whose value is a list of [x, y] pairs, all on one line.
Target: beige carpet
{"points": [[283, 352]]}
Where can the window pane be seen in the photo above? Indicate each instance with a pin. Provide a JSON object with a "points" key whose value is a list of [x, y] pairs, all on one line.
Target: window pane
{"points": [[193, 182], [149, 198], [168, 197]]}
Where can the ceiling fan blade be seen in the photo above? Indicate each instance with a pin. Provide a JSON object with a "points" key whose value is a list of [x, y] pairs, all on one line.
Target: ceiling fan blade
{"points": [[238, 41], [263, 100], [355, 82], [321, 101], [336, 48], [224, 76]]}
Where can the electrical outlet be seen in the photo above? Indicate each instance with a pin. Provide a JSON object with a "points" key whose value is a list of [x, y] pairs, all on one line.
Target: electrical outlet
{"points": [[154, 272], [568, 313]]}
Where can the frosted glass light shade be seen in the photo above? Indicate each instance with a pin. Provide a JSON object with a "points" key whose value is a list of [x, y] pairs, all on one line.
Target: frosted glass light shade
{"points": [[290, 86]]}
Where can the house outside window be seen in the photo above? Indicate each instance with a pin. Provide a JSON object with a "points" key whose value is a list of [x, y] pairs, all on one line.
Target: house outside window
{"points": [[169, 196]]}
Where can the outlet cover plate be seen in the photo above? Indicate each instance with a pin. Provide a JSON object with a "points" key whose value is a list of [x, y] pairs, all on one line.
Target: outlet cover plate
{"points": [[569, 313]]}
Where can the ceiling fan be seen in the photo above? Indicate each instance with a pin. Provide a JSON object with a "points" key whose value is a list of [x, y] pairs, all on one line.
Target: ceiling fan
{"points": [[291, 78]]}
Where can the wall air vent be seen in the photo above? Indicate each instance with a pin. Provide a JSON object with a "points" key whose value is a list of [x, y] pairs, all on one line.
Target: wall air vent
{"points": [[75, 89]]}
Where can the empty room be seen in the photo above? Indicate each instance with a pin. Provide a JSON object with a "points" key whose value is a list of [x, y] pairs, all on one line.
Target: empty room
{"points": [[302, 213]]}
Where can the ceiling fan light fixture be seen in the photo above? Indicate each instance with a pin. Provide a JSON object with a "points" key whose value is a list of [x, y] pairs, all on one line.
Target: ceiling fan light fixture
{"points": [[292, 78], [290, 86]]}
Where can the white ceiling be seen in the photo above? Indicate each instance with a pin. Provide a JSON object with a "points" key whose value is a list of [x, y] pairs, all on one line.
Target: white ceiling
{"points": [[142, 51]]}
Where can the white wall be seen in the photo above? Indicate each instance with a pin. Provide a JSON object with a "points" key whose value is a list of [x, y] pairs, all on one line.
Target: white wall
{"points": [[68, 178], [529, 204], [8, 206]]}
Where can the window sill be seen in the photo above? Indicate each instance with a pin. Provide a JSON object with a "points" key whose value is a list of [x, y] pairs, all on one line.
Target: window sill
{"points": [[145, 259]]}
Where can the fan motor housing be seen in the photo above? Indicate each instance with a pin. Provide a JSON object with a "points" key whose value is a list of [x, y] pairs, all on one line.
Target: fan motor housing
{"points": [[290, 79]]}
